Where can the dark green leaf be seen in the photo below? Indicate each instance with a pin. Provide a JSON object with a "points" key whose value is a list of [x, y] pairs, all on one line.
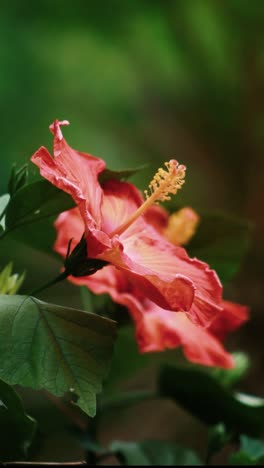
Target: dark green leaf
{"points": [[18, 179], [251, 452], [39, 235], [153, 453], [17, 429], [102, 304], [56, 348], [203, 396], [222, 242], [108, 174], [34, 202]]}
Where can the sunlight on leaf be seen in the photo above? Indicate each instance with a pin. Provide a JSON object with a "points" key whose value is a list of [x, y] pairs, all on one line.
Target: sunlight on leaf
{"points": [[10, 283]]}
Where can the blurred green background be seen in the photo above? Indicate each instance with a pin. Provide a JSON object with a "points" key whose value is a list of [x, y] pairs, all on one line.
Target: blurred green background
{"points": [[141, 82]]}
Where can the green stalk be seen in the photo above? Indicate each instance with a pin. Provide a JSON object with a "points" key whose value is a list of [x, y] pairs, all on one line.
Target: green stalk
{"points": [[59, 278]]}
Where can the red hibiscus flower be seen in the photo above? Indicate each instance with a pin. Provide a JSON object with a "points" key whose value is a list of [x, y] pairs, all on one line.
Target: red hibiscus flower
{"points": [[157, 329], [113, 220]]}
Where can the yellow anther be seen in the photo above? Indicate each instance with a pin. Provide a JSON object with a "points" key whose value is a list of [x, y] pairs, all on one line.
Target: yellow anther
{"points": [[165, 182]]}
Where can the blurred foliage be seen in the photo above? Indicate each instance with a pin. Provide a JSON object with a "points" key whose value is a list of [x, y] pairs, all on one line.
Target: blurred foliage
{"points": [[251, 452], [153, 453], [224, 251], [17, 428], [139, 81]]}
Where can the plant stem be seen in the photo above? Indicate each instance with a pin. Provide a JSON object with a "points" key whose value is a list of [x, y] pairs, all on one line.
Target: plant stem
{"points": [[62, 276]]}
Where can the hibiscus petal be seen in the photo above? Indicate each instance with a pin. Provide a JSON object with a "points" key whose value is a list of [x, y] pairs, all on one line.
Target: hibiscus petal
{"points": [[74, 172], [232, 317], [70, 227], [165, 273], [120, 201], [158, 217], [159, 329], [149, 259]]}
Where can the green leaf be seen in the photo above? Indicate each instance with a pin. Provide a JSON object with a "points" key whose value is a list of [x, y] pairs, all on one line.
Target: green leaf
{"points": [[221, 241], [251, 452], [17, 429], [56, 348], [18, 178], [108, 174], [153, 453], [204, 397], [4, 199], [39, 235], [35, 202], [10, 283]]}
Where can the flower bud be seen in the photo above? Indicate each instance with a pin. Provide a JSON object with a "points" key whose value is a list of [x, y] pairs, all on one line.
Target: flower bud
{"points": [[78, 264]]}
